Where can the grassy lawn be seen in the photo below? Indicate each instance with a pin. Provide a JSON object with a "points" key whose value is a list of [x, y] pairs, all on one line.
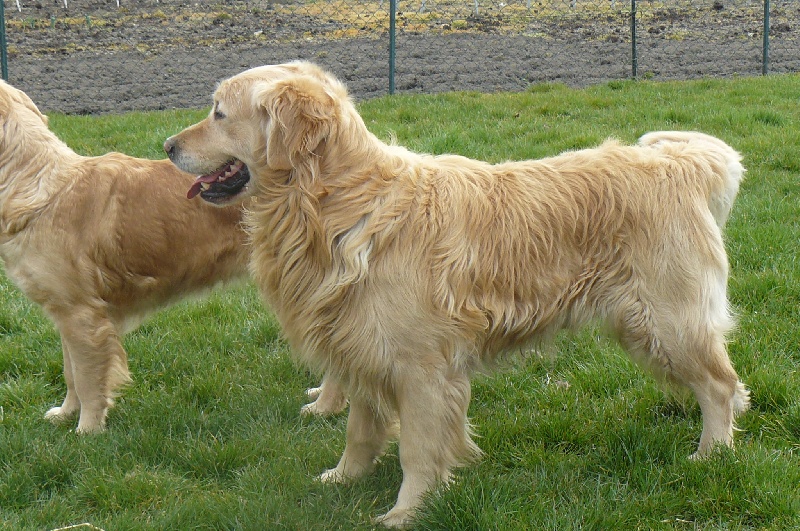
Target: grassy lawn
{"points": [[209, 436]]}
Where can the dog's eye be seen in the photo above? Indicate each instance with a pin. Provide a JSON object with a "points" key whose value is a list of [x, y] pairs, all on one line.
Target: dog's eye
{"points": [[218, 115]]}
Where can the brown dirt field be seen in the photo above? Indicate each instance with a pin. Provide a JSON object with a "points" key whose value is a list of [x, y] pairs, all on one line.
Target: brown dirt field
{"points": [[150, 54]]}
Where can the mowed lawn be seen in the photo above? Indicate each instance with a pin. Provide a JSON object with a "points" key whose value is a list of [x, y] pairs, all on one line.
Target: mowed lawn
{"points": [[209, 435]]}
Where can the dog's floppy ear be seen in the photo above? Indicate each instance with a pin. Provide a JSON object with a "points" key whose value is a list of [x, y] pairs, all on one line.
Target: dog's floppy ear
{"points": [[301, 113]]}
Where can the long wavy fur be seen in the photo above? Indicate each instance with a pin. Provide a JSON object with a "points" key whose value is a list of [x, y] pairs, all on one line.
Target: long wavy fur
{"points": [[399, 274]]}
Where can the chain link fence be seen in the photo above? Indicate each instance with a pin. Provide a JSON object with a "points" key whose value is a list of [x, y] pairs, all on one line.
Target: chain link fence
{"points": [[98, 56]]}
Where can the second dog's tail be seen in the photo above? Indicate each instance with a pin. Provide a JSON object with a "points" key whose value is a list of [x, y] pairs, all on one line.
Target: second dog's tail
{"points": [[723, 193]]}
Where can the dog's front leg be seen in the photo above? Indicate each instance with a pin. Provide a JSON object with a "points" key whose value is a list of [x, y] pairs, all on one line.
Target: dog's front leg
{"points": [[434, 437], [367, 436]]}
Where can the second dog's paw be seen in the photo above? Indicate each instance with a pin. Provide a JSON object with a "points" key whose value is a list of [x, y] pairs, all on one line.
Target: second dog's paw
{"points": [[325, 403], [313, 392]]}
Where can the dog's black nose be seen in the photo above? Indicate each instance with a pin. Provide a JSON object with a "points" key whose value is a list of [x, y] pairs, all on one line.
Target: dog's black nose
{"points": [[169, 147]]}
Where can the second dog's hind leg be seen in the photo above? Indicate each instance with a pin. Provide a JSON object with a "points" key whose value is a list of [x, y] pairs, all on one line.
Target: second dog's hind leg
{"points": [[98, 363], [71, 404], [328, 399]]}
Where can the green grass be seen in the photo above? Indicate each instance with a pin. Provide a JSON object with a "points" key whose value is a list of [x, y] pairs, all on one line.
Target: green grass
{"points": [[209, 437]]}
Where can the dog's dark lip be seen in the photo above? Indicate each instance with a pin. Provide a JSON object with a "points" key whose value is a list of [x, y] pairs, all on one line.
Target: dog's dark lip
{"points": [[223, 184]]}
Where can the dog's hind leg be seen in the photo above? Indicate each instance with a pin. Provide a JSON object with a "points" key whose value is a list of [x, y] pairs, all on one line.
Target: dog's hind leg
{"points": [[720, 394], [98, 363], [686, 345], [434, 437], [71, 404]]}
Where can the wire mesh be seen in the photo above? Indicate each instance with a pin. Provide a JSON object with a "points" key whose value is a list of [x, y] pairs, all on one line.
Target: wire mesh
{"points": [[96, 56]]}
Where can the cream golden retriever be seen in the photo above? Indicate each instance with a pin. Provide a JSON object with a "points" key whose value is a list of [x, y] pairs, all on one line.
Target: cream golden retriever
{"points": [[99, 243], [399, 275]]}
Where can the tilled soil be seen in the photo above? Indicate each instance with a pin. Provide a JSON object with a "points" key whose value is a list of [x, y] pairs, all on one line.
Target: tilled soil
{"points": [[93, 57]]}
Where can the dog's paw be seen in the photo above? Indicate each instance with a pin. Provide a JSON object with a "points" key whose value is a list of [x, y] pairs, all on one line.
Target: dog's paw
{"points": [[325, 402], [58, 415], [313, 392], [91, 424], [332, 476], [320, 408], [90, 430], [310, 410], [396, 519]]}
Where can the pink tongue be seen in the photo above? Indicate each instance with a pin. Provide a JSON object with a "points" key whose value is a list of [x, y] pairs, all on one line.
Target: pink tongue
{"points": [[197, 185]]}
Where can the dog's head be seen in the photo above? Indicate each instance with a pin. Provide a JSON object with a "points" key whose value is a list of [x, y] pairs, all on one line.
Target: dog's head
{"points": [[265, 121], [17, 107], [26, 145]]}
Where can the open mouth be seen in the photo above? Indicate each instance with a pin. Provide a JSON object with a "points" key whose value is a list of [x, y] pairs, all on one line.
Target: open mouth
{"points": [[223, 184]]}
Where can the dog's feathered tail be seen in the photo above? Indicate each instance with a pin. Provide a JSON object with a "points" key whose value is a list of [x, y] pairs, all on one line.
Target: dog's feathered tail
{"points": [[723, 193]]}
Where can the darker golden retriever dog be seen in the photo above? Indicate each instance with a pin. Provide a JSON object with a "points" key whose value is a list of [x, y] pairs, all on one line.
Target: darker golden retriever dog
{"points": [[99, 243], [399, 275]]}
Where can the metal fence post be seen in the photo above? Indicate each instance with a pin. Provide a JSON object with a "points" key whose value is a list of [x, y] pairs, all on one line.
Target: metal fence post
{"points": [[765, 50], [634, 51], [3, 52], [392, 44]]}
